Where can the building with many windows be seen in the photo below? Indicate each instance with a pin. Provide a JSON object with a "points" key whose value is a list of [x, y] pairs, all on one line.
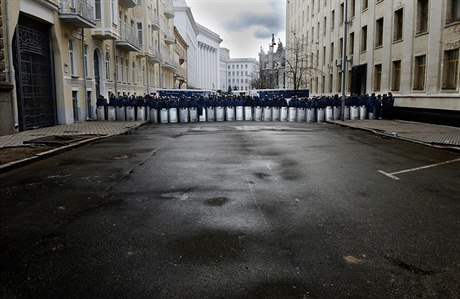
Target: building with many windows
{"points": [[73, 51], [240, 72], [224, 57], [410, 48]]}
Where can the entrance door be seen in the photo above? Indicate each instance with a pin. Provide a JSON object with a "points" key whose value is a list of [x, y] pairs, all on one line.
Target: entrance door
{"points": [[358, 79], [97, 72], [76, 116], [34, 80]]}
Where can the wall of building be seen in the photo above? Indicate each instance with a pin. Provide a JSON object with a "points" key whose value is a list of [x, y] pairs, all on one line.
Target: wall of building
{"points": [[314, 20], [208, 58]]}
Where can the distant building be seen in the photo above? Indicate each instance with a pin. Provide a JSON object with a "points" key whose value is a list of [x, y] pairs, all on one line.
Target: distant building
{"points": [[409, 48], [208, 58], [224, 57], [186, 25], [240, 72], [272, 66]]}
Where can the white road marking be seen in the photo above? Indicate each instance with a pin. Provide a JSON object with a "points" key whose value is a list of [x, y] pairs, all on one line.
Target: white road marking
{"points": [[392, 175], [268, 166]]}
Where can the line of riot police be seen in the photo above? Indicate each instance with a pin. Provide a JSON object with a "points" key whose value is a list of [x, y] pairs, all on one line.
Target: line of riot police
{"points": [[239, 108]]}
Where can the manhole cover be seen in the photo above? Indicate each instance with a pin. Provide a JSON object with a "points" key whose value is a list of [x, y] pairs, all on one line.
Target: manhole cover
{"points": [[58, 140]]}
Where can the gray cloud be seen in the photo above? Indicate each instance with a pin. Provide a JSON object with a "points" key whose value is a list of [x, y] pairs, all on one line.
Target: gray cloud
{"points": [[263, 34], [272, 22]]}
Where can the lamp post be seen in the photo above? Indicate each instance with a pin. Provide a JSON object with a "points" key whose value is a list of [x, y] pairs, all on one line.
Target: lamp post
{"points": [[344, 60]]}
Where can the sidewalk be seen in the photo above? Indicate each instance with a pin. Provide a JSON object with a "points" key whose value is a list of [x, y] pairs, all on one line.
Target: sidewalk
{"points": [[428, 134], [15, 150]]}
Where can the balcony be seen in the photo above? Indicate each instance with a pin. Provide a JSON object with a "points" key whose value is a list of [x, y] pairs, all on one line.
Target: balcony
{"points": [[170, 64], [169, 38], [128, 40], [155, 22], [77, 12], [129, 3], [169, 10], [152, 56]]}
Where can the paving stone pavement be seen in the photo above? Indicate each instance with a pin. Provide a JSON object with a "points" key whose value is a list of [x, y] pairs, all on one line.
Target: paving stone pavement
{"points": [[96, 128], [437, 135]]}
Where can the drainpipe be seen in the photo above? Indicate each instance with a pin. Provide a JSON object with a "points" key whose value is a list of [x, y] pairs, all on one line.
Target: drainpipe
{"points": [[9, 48], [84, 71]]}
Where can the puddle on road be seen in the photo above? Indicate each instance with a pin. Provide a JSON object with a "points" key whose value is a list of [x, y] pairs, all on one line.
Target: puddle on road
{"points": [[216, 201]]}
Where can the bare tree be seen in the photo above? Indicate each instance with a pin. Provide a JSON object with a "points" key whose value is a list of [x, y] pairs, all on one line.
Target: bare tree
{"points": [[301, 63], [258, 81]]}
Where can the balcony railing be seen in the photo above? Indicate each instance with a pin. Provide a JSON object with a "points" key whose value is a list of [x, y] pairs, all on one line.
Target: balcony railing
{"points": [[77, 12], [128, 39]]}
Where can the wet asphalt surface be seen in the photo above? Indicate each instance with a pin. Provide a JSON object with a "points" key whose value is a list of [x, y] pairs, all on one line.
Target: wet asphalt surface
{"points": [[233, 210]]}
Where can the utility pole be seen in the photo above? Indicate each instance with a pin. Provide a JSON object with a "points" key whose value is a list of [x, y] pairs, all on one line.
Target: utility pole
{"points": [[344, 60]]}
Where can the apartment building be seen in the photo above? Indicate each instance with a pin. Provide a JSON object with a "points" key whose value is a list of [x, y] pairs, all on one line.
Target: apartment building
{"points": [[60, 55], [410, 48], [224, 57]]}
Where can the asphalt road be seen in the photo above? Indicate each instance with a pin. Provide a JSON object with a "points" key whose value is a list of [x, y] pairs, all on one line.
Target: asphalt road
{"points": [[234, 210]]}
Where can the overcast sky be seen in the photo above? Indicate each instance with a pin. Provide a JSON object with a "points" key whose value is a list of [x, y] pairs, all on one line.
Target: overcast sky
{"points": [[244, 25]]}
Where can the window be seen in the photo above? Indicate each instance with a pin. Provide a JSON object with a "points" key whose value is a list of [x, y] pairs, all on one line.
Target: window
{"points": [[398, 26], [419, 72], [340, 48], [113, 9], [339, 82], [379, 32], [422, 16], [246, 66], [317, 58], [351, 48], [324, 55], [85, 59], [229, 73], [450, 69], [453, 11], [107, 66], [237, 67], [229, 81], [228, 67], [365, 4], [134, 72], [233, 67], [331, 78], [364, 39], [122, 67], [331, 54], [332, 20], [377, 77], [396, 75], [352, 8], [342, 11], [324, 26], [323, 85], [139, 33], [97, 9], [73, 66], [127, 70]]}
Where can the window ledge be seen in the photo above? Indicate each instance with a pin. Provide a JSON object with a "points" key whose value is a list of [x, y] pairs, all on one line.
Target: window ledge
{"points": [[364, 10], [449, 89], [452, 23], [421, 33], [397, 41], [74, 76], [378, 47]]}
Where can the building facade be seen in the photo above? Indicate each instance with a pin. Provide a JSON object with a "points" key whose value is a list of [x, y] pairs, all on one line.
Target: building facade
{"points": [[208, 58], [186, 26], [272, 66], [410, 48], [240, 72], [224, 57], [72, 51]]}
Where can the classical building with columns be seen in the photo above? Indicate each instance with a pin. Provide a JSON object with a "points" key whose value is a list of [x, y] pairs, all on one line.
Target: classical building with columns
{"points": [[409, 48], [208, 58]]}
